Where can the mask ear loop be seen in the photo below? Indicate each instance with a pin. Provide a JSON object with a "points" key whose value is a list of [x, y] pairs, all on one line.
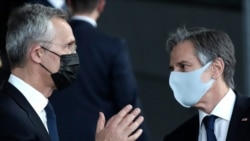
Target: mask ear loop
{"points": [[209, 68], [45, 68], [50, 52]]}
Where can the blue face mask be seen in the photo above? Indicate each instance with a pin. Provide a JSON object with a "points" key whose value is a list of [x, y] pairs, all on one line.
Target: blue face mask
{"points": [[188, 87]]}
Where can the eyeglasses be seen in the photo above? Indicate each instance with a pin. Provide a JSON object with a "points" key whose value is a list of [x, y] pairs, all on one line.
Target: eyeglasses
{"points": [[71, 46], [50, 51]]}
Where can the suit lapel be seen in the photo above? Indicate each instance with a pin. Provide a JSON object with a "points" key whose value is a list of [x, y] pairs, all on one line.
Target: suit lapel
{"points": [[239, 120], [31, 114]]}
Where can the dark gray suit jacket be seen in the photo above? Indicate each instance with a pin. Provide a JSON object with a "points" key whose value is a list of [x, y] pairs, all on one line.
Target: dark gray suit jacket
{"points": [[18, 120]]}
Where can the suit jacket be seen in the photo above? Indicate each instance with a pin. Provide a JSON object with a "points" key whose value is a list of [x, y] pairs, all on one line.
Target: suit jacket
{"points": [[18, 120], [105, 82], [238, 129]]}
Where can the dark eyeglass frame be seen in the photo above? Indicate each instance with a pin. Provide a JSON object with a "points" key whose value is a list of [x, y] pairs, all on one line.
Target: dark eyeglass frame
{"points": [[72, 46], [50, 51]]}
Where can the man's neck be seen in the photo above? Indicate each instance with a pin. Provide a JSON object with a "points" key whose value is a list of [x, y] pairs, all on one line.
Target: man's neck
{"points": [[93, 15], [212, 97]]}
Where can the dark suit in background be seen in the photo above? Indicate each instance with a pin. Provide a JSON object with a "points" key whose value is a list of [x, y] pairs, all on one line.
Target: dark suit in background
{"points": [[239, 129], [20, 121], [105, 82]]}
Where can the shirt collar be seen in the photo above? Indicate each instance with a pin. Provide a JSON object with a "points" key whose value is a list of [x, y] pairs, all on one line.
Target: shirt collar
{"points": [[57, 3], [86, 19], [36, 99], [220, 111]]}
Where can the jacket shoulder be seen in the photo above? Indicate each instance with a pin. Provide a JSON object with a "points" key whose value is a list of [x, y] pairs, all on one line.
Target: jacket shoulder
{"points": [[186, 131]]}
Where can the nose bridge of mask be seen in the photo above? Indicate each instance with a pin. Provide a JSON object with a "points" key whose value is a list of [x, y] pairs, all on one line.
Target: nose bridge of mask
{"points": [[69, 59], [192, 73], [67, 71], [179, 77]]}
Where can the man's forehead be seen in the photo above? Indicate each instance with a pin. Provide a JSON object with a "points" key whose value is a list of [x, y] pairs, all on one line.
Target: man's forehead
{"points": [[183, 50], [63, 31]]}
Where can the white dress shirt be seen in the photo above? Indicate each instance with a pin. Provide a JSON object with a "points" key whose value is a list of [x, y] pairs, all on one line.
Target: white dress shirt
{"points": [[57, 3], [223, 111], [86, 19], [37, 100]]}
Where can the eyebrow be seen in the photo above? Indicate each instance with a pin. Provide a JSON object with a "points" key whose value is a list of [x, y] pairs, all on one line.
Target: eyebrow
{"points": [[178, 64], [182, 62]]}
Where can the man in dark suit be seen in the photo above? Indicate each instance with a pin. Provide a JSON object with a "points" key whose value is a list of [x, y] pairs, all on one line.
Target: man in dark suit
{"points": [[105, 81], [202, 62], [41, 50]]}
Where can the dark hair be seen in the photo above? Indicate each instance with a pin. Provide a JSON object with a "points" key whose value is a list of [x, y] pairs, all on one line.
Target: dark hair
{"points": [[83, 5], [209, 45]]}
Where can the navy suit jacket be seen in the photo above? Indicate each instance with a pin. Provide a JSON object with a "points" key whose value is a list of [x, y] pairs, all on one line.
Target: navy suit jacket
{"points": [[18, 120], [105, 82], [239, 130]]}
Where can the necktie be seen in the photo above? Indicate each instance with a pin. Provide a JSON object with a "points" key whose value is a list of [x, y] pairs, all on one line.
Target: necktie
{"points": [[51, 122], [209, 125]]}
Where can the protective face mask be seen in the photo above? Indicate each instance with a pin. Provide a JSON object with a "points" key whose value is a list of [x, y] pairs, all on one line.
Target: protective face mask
{"points": [[69, 64], [188, 88], [67, 72]]}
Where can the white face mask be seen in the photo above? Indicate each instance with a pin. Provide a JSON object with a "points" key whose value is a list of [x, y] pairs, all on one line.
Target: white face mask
{"points": [[188, 87]]}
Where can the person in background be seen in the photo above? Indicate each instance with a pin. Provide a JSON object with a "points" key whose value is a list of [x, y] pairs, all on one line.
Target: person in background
{"points": [[105, 81], [202, 63], [42, 52]]}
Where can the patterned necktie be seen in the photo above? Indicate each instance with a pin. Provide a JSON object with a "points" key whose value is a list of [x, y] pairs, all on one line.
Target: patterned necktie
{"points": [[51, 122], [209, 126]]}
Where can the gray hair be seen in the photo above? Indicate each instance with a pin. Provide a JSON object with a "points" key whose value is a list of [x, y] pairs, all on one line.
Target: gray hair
{"points": [[209, 45], [27, 25]]}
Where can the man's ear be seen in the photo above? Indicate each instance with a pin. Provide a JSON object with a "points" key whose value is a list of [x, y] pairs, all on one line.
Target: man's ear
{"points": [[36, 53], [101, 5], [217, 68]]}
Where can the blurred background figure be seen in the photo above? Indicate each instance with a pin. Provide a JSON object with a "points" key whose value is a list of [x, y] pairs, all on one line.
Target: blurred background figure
{"points": [[105, 81]]}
